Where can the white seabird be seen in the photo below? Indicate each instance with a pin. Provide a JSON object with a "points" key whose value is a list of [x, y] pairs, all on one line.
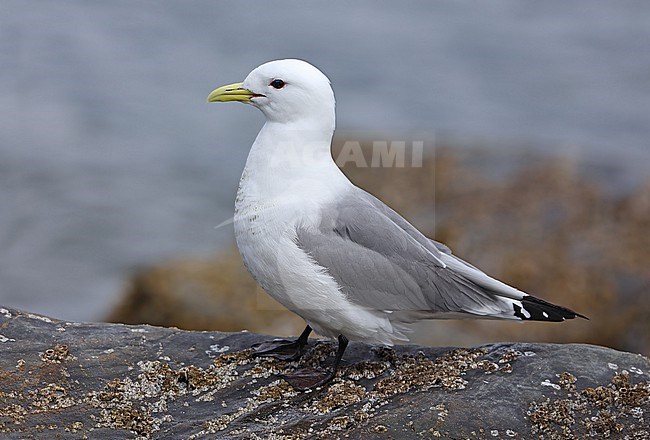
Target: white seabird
{"points": [[332, 253]]}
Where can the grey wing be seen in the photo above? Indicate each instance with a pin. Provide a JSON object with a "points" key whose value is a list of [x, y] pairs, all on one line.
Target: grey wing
{"points": [[444, 254], [382, 262]]}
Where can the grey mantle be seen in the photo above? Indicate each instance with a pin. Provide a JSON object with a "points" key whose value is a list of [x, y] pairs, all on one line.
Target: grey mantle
{"points": [[73, 380]]}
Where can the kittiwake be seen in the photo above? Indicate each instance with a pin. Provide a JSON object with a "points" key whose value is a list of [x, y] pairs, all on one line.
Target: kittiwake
{"points": [[332, 253]]}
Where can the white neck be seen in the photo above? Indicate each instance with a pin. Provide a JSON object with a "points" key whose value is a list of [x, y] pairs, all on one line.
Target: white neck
{"points": [[288, 150], [292, 160]]}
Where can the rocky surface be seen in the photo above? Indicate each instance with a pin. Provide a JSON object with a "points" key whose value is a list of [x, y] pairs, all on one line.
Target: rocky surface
{"points": [[73, 380]]}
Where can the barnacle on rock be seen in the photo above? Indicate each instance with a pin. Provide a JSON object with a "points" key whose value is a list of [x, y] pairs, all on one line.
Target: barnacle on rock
{"points": [[606, 411]]}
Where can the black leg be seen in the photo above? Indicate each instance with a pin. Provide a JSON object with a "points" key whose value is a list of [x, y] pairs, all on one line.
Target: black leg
{"points": [[343, 344], [284, 349], [306, 378]]}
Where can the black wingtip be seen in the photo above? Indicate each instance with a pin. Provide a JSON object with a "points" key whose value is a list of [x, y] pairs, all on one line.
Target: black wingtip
{"points": [[535, 309]]}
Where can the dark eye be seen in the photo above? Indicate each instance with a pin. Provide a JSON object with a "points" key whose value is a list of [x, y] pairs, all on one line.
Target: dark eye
{"points": [[277, 84]]}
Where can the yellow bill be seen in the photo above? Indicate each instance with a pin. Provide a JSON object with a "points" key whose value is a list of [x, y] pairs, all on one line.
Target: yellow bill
{"points": [[230, 92]]}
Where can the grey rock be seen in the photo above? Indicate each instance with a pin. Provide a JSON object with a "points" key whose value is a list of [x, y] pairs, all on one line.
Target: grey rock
{"points": [[75, 380]]}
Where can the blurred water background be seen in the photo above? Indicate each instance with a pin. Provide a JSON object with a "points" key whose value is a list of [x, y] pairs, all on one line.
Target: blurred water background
{"points": [[111, 159]]}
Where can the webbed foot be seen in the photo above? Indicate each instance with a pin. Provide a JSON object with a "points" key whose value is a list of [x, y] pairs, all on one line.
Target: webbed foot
{"points": [[307, 378], [283, 349]]}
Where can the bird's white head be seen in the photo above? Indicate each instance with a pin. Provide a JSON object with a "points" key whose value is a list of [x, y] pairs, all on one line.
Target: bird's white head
{"points": [[286, 91]]}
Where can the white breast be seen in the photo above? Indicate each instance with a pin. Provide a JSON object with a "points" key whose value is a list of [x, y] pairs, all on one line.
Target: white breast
{"points": [[277, 195], [267, 214], [266, 217]]}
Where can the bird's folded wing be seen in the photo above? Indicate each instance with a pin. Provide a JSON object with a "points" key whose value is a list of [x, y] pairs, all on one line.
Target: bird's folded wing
{"points": [[444, 254], [382, 262]]}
